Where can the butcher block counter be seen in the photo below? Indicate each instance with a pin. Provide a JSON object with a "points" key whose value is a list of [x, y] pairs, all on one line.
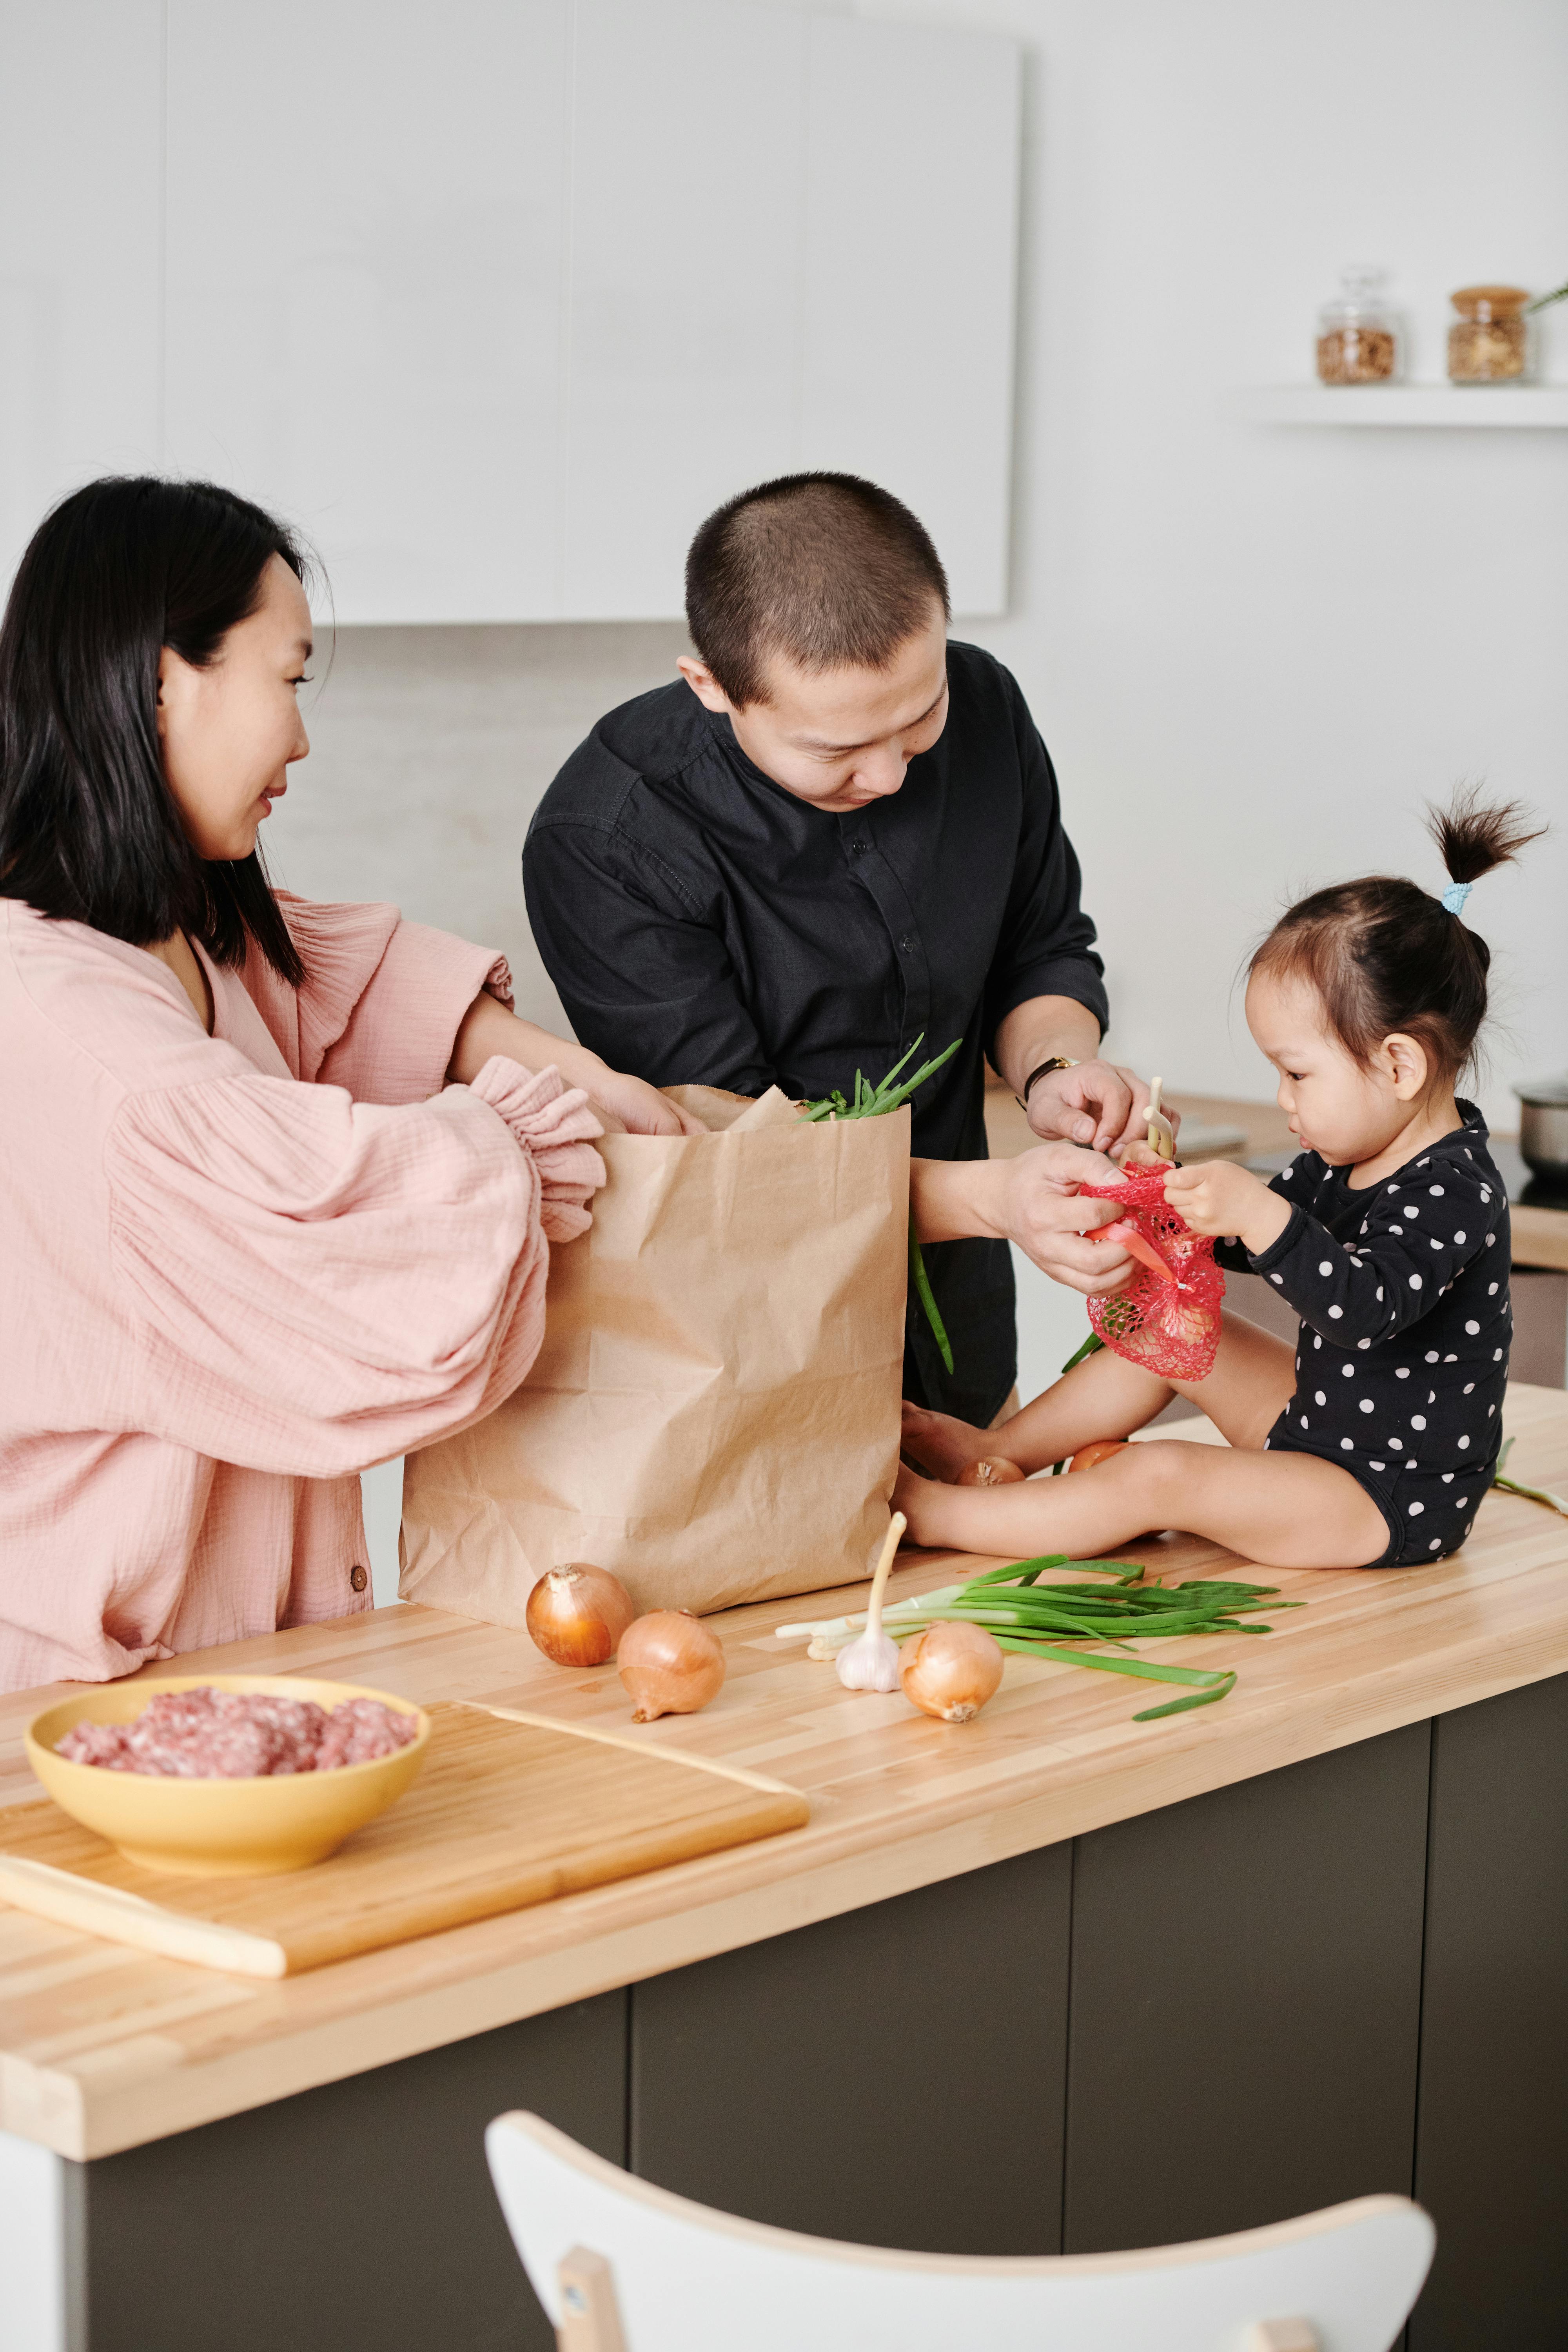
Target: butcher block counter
{"points": [[1052, 1979]]}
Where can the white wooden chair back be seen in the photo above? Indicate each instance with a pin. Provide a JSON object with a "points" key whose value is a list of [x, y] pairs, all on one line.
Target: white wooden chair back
{"points": [[621, 2266]]}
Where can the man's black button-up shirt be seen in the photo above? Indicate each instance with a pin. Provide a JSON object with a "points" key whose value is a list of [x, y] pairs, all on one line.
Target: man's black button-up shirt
{"points": [[705, 927]]}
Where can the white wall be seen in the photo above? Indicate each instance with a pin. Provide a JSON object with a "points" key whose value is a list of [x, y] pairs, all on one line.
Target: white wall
{"points": [[1254, 651], [429, 750]]}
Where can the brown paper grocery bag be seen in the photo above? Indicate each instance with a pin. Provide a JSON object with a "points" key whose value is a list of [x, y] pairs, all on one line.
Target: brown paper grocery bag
{"points": [[714, 1414]]}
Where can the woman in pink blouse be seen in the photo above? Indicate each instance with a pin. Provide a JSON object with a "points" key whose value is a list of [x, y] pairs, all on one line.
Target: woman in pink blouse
{"points": [[277, 1180]]}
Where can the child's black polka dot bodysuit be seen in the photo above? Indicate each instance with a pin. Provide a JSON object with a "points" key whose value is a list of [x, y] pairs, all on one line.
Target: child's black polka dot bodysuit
{"points": [[1405, 1323]]}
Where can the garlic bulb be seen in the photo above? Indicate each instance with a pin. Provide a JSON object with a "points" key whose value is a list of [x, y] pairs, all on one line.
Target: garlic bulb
{"points": [[670, 1662], [951, 1671], [991, 1470], [871, 1663], [577, 1614]]}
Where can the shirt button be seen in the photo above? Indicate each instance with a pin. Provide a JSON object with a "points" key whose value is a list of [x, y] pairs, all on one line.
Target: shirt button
{"points": [[860, 847], [358, 1578], [907, 943]]}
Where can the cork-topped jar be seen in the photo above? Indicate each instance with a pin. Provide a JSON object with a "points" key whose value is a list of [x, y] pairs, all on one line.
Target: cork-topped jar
{"points": [[1490, 340], [1358, 337]]}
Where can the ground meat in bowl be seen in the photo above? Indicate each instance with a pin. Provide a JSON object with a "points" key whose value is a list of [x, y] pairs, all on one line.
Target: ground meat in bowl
{"points": [[218, 1735]]}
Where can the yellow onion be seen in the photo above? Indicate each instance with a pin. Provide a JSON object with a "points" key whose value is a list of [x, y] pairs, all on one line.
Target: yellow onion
{"points": [[1100, 1449], [991, 1470], [951, 1671], [670, 1662], [578, 1615]]}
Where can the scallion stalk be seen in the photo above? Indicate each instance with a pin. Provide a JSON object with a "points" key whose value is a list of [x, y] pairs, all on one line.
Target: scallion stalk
{"points": [[872, 1102]]}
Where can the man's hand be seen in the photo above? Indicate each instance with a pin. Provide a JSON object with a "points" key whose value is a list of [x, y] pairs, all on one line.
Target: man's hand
{"points": [[1033, 1201], [1098, 1105], [1219, 1197], [1045, 1214]]}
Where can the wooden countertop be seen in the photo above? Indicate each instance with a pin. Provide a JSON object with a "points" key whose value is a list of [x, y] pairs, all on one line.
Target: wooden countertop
{"points": [[1540, 1236], [102, 2047]]}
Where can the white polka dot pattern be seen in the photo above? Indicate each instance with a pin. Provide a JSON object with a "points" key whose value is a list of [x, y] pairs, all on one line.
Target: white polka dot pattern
{"points": [[1427, 1309]]}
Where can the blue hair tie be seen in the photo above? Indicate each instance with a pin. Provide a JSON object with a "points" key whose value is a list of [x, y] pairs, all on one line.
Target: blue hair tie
{"points": [[1455, 895]]}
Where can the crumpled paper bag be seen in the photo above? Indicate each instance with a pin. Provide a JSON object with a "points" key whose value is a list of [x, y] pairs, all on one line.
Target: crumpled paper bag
{"points": [[714, 1414]]}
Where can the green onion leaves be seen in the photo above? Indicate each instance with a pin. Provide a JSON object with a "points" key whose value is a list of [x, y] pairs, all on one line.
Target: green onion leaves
{"points": [[870, 1102]]}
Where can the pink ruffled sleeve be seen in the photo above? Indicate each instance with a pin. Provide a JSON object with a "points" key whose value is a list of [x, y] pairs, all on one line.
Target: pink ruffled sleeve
{"points": [[552, 1126], [382, 1002], [315, 1284]]}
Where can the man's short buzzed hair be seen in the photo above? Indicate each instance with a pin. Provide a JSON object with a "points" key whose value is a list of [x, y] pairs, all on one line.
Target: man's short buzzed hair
{"points": [[825, 569]]}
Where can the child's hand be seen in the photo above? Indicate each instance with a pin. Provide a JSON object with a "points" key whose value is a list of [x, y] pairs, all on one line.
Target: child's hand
{"points": [[1219, 1197]]}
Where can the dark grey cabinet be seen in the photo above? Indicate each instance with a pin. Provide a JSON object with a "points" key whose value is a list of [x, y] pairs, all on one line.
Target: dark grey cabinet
{"points": [[1247, 2001], [894, 2077], [1492, 2140]]}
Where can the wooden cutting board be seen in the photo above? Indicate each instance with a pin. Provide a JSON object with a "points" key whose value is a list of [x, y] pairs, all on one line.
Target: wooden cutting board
{"points": [[509, 1809]]}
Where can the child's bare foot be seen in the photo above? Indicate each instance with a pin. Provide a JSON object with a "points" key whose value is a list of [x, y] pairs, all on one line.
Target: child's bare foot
{"points": [[941, 1445], [913, 1495]]}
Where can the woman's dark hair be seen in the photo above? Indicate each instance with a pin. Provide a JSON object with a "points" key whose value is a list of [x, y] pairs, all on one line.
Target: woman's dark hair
{"points": [[1385, 956], [89, 828]]}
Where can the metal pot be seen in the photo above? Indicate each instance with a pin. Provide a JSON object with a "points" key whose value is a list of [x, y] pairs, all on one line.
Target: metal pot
{"points": [[1543, 1128]]}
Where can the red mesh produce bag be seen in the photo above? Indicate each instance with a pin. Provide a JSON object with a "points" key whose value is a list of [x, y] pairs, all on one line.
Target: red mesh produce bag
{"points": [[1170, 1326]]}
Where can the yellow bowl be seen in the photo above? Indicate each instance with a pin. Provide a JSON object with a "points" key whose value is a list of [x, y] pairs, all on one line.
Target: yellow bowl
{"points": [[221, 1829]]}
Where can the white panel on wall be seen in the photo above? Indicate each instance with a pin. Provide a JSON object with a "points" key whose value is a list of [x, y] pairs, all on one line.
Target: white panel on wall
{"points": [[910, 261], [80, 233], [688, 150], [366, 215]]}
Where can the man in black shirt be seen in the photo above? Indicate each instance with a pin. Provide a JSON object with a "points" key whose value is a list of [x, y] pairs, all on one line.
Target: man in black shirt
{"points": [[840, 832]]}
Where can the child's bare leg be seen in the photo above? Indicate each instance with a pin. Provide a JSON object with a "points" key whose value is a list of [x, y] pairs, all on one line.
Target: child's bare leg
{"points": [[1285, 1510], [1282, 1510], [1105, 1396]]}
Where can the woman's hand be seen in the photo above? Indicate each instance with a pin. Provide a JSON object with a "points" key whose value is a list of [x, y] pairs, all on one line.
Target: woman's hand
{"points": [[1033, 1201], [626, 1106], [630, 1106], [1216, 1196]]}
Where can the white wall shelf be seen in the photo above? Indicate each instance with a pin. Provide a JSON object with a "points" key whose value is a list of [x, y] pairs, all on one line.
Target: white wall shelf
{"points": [[1488, 406]]}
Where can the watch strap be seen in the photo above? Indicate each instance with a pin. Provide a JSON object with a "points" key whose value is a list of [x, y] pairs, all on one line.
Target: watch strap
{"points": [[1057, 1061]]}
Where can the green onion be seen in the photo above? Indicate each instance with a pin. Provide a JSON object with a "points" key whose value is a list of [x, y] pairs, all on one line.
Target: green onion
{"points": [[1093, 1342], [1180, 1706], [1512, 1485], [871, 1102], [922, 1281], [1032, 1620]]}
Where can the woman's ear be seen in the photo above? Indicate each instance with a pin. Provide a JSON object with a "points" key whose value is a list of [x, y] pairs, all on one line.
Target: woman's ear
{"points": [[1404, 1060]]}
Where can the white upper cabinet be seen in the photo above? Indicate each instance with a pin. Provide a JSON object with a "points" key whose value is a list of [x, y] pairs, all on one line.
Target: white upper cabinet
{"points": [[684, 337], [366, 224], [910, 271], [793, 244], [498, 299], [80, 223]]}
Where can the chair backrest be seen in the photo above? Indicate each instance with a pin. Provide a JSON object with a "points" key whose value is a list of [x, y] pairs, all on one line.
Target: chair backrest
{"points": [[687, 2279]]}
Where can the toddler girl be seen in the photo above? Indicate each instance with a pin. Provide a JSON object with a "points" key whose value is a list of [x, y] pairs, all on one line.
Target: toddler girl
{"points": [[1372, 1443]]}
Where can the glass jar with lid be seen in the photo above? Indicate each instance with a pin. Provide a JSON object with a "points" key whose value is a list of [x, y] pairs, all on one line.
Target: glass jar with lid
{"points": [[1490, 340], [1358, 335]]}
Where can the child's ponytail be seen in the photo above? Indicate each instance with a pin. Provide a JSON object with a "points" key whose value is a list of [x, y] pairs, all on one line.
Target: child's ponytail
{"points": [[1384, 956], [1472, 838]]}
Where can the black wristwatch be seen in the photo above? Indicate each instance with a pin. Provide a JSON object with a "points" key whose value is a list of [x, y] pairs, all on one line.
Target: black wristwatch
{"points": [[1057, 1061]]}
